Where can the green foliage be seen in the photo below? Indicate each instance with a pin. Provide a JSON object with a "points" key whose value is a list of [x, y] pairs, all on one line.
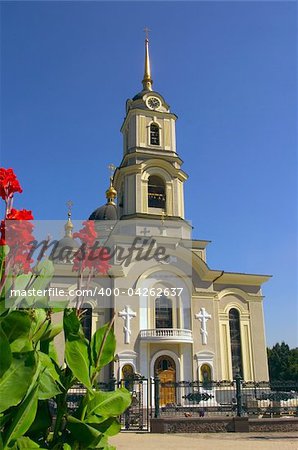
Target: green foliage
{"points": [[104, 349], [16, 381], [30, 376], [6, 354], [77, 349], [283, 363], [107, 404]]}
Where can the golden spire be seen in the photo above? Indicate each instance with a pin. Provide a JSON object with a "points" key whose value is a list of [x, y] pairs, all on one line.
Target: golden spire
{"points": [[111, 193], [69, 226], [147, 80]]}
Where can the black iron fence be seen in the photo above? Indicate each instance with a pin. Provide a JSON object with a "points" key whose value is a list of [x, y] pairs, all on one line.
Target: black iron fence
{"points": [[137, 416], [152, 398], [230, 398]]}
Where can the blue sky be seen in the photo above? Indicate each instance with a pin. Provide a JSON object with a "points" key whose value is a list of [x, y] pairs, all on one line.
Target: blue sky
{"points": [[228, 70]]}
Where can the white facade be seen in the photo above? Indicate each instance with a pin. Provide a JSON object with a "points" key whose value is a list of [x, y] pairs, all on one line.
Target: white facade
{"points": [[212, 320]]}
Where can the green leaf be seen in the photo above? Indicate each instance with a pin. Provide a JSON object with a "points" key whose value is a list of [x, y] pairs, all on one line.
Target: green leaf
{"points": [[48, 388], [44, 272], [4, 418], [77, 358], [4, 250], [52, 352], [82, 432], [42, 420], [16, 324], [44, 268], [71, 323], [66, 447], [18, 283], [49, 378], [52, 332], [21, 281], [108, 404], [47, 363], [108, 447], [6, 356], [107, 353], [109, 427], [16, 381], [21, 345], [25, 442], [23, 418], [76, 348], [40, 324], [103, 444]]}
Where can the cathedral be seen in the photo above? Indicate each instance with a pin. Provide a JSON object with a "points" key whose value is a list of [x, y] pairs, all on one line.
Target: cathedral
{"points": [[175, 317]]}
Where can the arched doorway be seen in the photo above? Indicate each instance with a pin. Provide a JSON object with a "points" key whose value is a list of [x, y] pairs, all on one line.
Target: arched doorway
{"points": [[165, 369]]}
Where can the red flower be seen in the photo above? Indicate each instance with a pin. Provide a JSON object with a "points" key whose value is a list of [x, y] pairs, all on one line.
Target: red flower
{"points": [[20, 214], [8, 183], [87, 234], [90, 256], [16, 232]]}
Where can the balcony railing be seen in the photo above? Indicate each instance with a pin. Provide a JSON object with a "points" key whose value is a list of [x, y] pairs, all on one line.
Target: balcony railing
{"points": [[167, 334]]}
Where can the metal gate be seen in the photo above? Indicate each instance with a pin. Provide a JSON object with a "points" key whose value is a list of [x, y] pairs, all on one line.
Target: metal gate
{"points": [[137, 416]]}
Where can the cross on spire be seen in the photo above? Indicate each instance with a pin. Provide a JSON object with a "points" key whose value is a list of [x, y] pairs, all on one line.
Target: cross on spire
{"points": [[69, 205], [111, 168], [147, 31], [147, 80]]}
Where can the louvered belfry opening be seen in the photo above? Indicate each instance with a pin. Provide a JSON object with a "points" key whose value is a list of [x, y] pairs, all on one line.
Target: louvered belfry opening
{"points": [[156, 192], [154, 134]]}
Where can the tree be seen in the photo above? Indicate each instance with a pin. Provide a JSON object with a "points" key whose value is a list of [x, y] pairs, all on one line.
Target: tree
{"points": [[283, 363]]}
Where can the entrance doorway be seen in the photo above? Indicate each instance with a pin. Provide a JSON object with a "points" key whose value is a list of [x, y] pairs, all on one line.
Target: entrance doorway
{"points": [[165, 369]]}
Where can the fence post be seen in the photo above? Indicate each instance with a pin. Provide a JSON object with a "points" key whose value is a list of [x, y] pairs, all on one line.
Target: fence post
{"points": [[156, 396], [238, 395]]}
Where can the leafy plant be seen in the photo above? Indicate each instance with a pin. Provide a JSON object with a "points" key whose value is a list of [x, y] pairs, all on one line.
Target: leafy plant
{"points": [[30, 376]]}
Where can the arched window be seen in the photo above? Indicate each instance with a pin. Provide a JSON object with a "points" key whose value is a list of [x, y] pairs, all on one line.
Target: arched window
{"points": [[127, 371], [86, 319], [163, 313], [235, 337], [154, 134], [128, 376], [156, 192], [206, 376], [164, 362]]}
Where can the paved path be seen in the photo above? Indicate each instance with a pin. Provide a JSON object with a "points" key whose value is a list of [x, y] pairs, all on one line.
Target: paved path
{"points": [[212, 441]]}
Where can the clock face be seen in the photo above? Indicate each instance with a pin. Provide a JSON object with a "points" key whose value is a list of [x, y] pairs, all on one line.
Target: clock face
{"points": [[153, 102]]}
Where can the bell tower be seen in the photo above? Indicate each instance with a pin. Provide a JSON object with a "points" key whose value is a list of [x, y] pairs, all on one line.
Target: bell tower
{"points": [[149, 180]]}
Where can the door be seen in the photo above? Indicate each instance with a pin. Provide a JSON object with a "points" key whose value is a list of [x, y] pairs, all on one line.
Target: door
{"points": [[165, 368]]}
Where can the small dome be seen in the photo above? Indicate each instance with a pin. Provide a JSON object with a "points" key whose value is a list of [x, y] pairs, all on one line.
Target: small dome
{"points": [[105, 212], [141, 94], [109, 210], [68, 242], [65, 250]]}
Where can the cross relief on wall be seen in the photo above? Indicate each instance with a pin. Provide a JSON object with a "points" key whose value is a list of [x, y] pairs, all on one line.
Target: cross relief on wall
{"points": [[203, 316], [127, 314]]}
